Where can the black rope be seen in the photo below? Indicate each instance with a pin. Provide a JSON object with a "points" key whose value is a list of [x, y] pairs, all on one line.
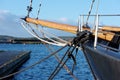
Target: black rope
{"points": [[84, 40], [39, 10], [59, 64], [82, 37], [70, 55], [90, 11], [29, 8], [59, 68], [75, 60], [40, 61], [65, 66]]}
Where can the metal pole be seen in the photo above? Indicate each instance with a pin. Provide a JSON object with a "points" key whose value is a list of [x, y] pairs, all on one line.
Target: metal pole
{"points": [[82, 22], [96, 32], [79, 23]]}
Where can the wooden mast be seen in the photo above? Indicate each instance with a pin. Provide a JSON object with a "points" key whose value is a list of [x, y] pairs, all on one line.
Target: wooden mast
{"points": [[73, 29]]}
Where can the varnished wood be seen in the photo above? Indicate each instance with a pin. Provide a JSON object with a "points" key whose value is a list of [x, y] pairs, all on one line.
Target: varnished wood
{"points": [[63, 27], [111, 28], [72, 29]]}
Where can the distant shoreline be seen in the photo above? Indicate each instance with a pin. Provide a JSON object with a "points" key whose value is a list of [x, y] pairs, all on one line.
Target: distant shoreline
{"points": [[15, 40]]}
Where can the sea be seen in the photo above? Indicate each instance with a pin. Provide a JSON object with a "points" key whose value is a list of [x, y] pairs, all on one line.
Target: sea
{"points": [[43, 70]]}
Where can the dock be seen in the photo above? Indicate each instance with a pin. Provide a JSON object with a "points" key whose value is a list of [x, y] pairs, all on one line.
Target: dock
{"points": [[12, 60]]}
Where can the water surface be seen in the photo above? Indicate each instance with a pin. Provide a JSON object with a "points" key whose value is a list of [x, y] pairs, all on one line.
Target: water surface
{"points": [[42, 71]]}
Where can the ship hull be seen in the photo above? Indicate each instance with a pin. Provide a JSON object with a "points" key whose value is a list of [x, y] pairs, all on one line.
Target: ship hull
{"points": [[104, 63]]}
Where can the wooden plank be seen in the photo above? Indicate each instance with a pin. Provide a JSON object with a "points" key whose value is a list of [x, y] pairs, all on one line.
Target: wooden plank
{"points": [[105, 35]]}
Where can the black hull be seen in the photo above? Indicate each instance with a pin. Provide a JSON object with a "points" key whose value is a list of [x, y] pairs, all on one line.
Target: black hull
{"points": [[104, 63]]}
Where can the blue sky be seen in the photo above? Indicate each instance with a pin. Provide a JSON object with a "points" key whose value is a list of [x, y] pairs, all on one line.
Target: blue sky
{"points": [[65, 11]]}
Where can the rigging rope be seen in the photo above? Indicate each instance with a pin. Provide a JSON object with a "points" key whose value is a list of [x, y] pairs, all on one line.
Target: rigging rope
{"points": [[45, 36], [69, 52], [29, 8], [37, 36], [75, 58], [75, 43], [39, 9], [51, 34], [82, 37], [56, 56], [67, 69], [53, 42], [90, 11], [40, 61], [65, 66], [96, 16], [55, 73], [70, 55]]}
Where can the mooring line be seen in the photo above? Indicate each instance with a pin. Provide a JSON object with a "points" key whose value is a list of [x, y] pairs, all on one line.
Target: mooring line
{"points": [[42, 60]]}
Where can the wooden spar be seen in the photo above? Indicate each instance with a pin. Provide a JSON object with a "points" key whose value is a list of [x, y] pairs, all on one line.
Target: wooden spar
{"points": [[68, 28], [63, 27], [111, 28]]}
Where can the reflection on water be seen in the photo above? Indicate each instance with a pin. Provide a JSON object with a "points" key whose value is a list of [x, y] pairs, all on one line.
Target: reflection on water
{"points": [[42, 71]]}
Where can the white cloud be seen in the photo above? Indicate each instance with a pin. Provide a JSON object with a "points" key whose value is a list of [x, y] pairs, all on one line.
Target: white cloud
{"points": [[4, 11], [2, 14], [63, 19], [10, 25]]}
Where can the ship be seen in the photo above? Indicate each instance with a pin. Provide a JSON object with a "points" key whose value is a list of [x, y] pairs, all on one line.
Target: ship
{"points": [[100, 45]]}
